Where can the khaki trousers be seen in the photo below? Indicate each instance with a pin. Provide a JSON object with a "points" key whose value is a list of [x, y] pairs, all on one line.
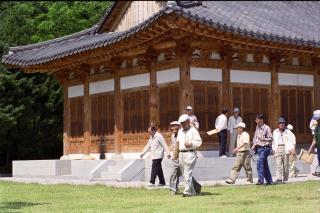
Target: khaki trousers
{"points": [[293, 170], [187, 161], [282, 161], [243, 159], [233, 141], [174, 175]]}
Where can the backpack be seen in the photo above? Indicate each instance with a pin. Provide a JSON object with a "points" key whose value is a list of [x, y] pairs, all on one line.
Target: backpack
{"points": [[317, 135]]}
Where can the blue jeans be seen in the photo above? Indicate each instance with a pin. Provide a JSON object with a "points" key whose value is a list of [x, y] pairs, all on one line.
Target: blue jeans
{"points": [[263, 166], [318, 152]]}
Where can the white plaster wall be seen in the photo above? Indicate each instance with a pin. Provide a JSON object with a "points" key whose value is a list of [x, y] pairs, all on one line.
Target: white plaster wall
{"points": [[75, 91], [167, 76], [101, 86], [134, 81], [289, 79], [205, 74], [250, 77]]}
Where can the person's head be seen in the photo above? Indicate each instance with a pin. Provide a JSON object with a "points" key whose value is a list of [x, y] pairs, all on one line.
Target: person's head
{"points": [[241, 128], [184, 120], [224, 111], [259, 119], [174, 126], [152, 129], [236, 112], [189, 110], [281, 123], [290, 127]]}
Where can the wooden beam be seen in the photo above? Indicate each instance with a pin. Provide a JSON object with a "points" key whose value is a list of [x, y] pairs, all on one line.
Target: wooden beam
{"points": [[274, 97], [184, 53], [226, 89], [86, 117], [66, 120], [118, 110]]}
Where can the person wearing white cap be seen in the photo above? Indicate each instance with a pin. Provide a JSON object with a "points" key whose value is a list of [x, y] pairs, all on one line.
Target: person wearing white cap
{"points": [[282, 145], [293, 170], [193, 119], [157, 146], [189, 141], [175, 167], [243, 157], [233, 121], [316, 140]]}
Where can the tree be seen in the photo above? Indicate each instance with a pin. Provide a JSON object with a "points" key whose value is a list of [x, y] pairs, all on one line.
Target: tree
{"points": [[31, 105]]}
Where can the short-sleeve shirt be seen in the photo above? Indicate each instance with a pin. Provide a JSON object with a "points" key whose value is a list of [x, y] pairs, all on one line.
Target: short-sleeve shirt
{"points": [[244, 138]]}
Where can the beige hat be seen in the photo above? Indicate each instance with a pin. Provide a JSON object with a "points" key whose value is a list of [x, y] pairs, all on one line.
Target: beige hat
{"points": [[183, 118], [242, 125], [174, 123], [188, 108]]}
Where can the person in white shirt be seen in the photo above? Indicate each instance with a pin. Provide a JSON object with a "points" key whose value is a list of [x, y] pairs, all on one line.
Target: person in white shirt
{"points": [[282, 144], [243, 158], [233, 121], [193, 119], [221, 125], [293, 170], [157, 145], [189, 141]]}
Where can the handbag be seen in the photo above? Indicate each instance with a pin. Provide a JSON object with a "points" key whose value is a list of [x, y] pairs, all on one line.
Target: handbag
{"points": [[306, 157]]}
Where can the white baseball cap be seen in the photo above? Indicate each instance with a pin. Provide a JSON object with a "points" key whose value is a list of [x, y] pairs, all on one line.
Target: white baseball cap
{"points": [[316, 115], [242, 125], [290, 127], [183, 118], [188, 108], [174, 123]]}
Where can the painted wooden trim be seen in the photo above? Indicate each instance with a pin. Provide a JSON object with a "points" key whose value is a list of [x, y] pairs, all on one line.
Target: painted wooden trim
{"points": [[134, 81], [296, 79], [168, 75], [101, 86], [75, 91], [253, 77], [205, 74]]}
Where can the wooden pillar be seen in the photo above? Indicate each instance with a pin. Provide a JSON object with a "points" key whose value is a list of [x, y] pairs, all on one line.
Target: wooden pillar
{"points": [[226, 89], [86, 117], [66, 120], [118, 112], [183, 53], [274, 97], [151, 58], [316, 79]]}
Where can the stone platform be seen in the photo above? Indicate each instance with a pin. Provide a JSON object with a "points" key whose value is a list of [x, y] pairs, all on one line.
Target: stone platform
{"points": [[132, 170]]}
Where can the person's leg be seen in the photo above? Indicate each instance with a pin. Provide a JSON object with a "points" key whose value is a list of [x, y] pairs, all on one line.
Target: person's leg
{"points": [[189, 161], [174, 178], [220, 143], [153, 172], [318, 153], [292, 169], [247, 166], [233, 140], [236, 166], [260, 165], [160, 173], [286, 167], [224, 141], [267, 172], [279, 163]]}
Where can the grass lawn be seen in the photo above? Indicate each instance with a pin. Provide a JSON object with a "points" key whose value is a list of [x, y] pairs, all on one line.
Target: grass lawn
{"points": [[294, 197]]}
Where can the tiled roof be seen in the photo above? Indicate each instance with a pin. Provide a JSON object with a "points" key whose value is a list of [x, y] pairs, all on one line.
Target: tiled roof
{"points": [[295, 23]]}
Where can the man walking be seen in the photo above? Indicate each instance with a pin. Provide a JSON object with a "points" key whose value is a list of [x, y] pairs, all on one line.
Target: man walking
{"points": [[316, 139], [243, 157], [262, 141], [281, 146], [233, 121], [175, 168], [189, 141], [221, 125], [193, 119], [157, 145]]}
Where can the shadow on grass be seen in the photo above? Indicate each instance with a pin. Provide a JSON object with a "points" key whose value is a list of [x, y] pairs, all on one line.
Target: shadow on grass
{"points": [[208, 193], [17, 205]]}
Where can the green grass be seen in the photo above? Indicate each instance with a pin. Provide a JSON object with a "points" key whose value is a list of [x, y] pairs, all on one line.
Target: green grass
{"points": [[294, 197]]}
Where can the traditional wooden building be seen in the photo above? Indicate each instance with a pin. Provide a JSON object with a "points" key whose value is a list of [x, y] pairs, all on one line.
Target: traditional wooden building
{"points": [[145, 61]]}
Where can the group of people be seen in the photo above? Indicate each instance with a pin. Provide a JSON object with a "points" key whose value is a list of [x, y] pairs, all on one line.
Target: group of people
{"points": [[185, 141]]}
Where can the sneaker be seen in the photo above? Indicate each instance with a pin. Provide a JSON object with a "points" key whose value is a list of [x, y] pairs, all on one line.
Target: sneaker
{"points": [[317, 174], [223, 156], [249, 182], [229, 181], [186, 195], [161, 184], [259, 183], [278, 181], [268, 184], [150, 185]]}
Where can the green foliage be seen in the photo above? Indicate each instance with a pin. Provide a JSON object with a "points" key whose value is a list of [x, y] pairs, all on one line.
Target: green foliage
{"points": [[31, 105]]}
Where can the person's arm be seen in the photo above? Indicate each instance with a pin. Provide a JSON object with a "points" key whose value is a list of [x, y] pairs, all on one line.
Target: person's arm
{"points": [[164, 145], [273, 142], [146, 149], [312, 145], [230, 129], [254, 140]]}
